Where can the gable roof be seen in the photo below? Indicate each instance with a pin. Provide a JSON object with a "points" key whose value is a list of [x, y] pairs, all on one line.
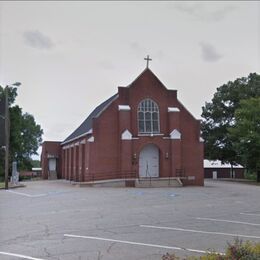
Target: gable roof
{"points": [[87, 124], [146, 71]]}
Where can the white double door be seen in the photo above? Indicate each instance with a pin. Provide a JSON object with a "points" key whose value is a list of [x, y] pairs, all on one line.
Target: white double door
{"points": [[149, 161]]}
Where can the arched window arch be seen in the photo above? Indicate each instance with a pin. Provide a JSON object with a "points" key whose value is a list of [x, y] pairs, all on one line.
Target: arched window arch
{"points": [[148, 117]]}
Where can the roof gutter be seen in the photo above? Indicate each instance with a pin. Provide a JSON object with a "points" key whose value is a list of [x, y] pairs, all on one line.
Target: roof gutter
{"points": [[77, 137]]}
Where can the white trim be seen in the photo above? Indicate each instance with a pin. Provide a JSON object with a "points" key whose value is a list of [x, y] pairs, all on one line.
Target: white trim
{"points": [[75, 138], [173, 109], [126, 135], [135, 138], [83, 141], [76, 144], [175, 134], [166, 137], [91, 139], [90, 131], [151, 134], [124, 108]]}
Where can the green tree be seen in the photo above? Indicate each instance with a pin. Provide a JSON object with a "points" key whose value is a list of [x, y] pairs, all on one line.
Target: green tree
{"points": [[219, 115], [245, 134], [36, 164], [25, 134]]}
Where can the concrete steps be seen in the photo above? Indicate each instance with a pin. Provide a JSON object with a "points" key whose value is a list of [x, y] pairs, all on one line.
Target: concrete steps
{"points": [[138, 183], [158, 182], [52, 175]]}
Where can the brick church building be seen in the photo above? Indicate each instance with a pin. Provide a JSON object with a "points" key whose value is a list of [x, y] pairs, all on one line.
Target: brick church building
{"points": [[143, 131]]}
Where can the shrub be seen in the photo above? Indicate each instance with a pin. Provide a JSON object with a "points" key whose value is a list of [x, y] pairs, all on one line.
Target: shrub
{"points": [[170, 257], [238, 250], [243, 251]]}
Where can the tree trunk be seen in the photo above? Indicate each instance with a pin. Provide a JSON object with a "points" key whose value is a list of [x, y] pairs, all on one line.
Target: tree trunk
{"points": [[258, 175], [232, 171]]}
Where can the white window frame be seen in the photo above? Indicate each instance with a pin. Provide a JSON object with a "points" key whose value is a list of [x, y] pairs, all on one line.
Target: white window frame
{"points": [[148, 106]]}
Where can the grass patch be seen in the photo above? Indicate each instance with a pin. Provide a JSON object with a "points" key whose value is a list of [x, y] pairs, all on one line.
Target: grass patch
{"points": [[2, 185]]}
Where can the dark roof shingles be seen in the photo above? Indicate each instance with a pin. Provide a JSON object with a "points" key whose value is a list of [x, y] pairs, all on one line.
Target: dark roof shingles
{"points": [[87, 124]]}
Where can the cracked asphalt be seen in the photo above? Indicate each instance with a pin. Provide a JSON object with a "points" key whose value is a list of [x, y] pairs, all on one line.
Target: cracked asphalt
{"points": [[124, 223]]}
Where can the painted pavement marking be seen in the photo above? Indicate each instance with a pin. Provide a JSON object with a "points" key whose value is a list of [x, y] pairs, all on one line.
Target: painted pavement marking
{"points": [[250, 214], [26, 194], [199, 231], [37, 195], [138, 244], [20, 256], [229, 221]]}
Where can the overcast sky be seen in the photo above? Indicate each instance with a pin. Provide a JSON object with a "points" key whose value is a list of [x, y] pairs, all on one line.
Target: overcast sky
{"points": [[70, 56]]}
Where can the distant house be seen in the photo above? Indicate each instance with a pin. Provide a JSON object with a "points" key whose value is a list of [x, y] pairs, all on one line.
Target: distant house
{"points": [[216, 170], [35, 172]]}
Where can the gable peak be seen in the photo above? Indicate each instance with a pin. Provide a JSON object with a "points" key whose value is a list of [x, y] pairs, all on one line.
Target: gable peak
{"points": [[147, 72]]}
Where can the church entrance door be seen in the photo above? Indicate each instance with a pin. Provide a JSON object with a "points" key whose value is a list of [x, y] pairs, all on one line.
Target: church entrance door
{"points": [[149, 161]]}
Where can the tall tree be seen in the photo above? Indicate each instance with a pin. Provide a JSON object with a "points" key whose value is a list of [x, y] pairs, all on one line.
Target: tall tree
{"points": [[219, 115], [25, 134], [245, 134]]}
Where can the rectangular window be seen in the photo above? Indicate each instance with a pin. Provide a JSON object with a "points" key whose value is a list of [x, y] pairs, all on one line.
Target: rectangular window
{"points": [[155, 116], [141, 126], [147, 116], [141, 116], [155, 126], [148, 126]]}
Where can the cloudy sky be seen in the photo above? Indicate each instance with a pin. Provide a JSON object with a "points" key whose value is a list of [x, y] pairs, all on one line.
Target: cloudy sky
{"points": [[70, 56]]}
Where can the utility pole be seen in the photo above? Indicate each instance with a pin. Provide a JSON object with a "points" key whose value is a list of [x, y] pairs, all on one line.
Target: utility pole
{"points": [[7, 131], [7, 134]]}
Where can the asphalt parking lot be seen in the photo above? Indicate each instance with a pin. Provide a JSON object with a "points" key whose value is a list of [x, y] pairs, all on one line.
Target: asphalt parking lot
{"points": [[55, 220]]}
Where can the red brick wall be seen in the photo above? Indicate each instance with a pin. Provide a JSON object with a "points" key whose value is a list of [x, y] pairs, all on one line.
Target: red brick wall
{"points": [[110, 157], [54, 149]]}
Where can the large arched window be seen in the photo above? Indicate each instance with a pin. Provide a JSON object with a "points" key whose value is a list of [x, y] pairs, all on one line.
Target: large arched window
{"points": [[148, 117]]}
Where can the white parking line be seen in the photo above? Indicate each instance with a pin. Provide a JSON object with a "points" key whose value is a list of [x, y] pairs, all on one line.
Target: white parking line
{"points": [[199, 231], [138, 244], [20, 256], [250, 214], [229, 221], [27, 195], [64, 211]]}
